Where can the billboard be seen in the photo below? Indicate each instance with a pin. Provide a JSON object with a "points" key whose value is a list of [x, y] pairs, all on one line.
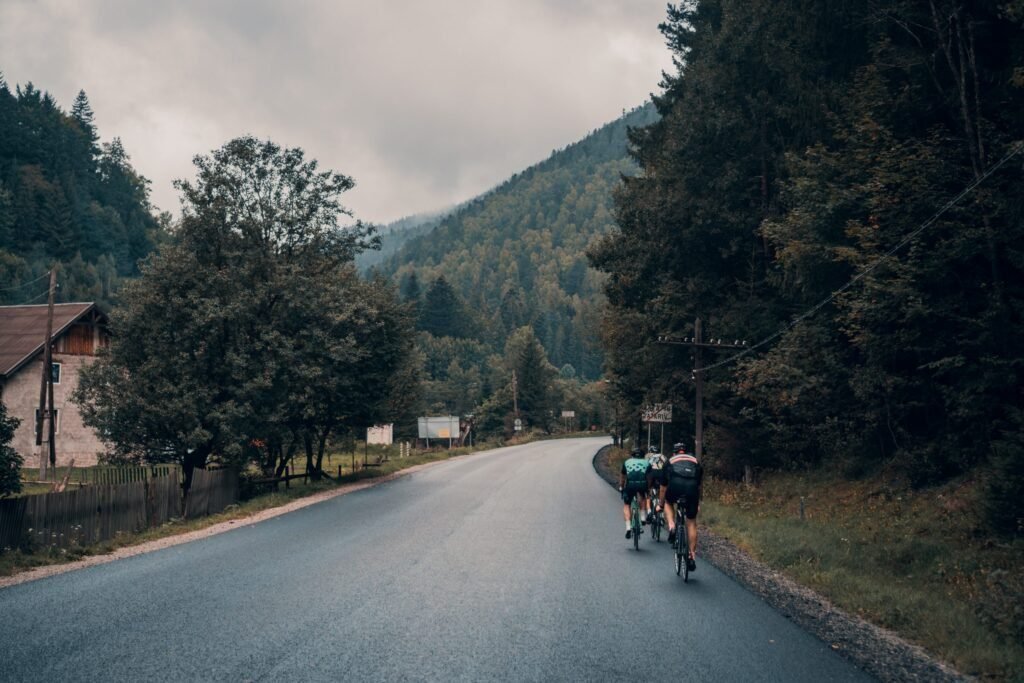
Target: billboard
{"points": [[445, 427]]}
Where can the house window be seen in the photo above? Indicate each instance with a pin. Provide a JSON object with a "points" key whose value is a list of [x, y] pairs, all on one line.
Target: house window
{"points": [[56, 421], [55, 372]]}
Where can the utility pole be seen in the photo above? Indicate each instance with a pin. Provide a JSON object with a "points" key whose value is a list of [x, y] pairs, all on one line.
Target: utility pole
{"points": [[46, 387], [697, 343], [515, 396]]}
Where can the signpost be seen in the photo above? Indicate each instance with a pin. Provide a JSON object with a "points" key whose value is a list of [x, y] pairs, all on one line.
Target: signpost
{"points": [[518, 425], [660, 413]]}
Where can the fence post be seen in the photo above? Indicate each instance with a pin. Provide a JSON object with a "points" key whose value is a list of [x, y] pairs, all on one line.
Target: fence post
{"points": [[801, 508]]}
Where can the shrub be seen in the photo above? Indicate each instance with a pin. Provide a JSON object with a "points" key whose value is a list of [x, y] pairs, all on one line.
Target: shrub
{"points": [[10, 461]]}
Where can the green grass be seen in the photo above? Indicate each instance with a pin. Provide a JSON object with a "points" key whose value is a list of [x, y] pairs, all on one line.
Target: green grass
{"points": [[916, 562]]}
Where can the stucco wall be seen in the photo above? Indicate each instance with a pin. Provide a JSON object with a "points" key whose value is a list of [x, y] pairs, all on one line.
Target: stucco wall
{"points": [[21, 396]]}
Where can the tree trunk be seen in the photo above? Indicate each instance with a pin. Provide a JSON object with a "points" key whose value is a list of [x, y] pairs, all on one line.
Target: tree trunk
{"points": [[190, 462], [320, 448]]}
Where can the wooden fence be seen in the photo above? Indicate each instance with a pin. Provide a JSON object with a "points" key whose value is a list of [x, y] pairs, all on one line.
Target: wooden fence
{"points": [[97, 513], [211, 492], [127, 475]]}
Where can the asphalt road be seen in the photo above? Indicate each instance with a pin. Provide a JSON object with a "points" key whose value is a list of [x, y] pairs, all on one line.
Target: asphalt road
{"points": [[505, 565]]}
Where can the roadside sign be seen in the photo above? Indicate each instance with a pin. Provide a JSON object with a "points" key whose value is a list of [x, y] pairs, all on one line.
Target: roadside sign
{"points": [[568, 413], [658, 412], [518, 425]]}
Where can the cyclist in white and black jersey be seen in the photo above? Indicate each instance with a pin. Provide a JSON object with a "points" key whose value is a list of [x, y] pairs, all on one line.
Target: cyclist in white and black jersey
{"points": [[657, 462]]}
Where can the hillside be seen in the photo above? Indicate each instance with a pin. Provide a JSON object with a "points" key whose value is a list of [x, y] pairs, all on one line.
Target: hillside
{"points": [[64, 197], [395, 234], [516, 255]]}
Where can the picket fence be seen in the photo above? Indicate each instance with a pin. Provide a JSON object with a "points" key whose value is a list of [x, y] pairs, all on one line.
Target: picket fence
{"points": [[92, 514]]}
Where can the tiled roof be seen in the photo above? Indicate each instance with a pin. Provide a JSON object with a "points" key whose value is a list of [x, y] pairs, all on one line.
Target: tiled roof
{"points": [[23, 331]]}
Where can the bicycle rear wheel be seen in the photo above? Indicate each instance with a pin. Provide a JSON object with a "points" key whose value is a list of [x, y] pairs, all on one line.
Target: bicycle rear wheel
{"points": [[678, 545], [686, 552], [635, 509]]}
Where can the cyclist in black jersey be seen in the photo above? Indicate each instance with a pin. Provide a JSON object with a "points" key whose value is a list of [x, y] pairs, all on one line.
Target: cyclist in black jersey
{"points": [[681, 481]]}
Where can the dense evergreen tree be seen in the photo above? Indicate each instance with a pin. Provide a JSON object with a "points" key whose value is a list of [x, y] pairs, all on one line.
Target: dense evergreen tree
{"points": [[442, 313], [802, 144], [65, 197]]}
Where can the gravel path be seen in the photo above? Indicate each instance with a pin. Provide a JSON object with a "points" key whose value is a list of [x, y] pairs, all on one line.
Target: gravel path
{"points": [[878, 651]]}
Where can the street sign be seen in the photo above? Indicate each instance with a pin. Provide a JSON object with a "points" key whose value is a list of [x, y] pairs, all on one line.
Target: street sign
{"points": [[659, 412], [518, 425], [568, 413]]}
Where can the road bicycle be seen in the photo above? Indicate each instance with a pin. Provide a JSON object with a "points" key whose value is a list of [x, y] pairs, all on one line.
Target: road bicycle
{"points": [[682, 542], [657, 519]]}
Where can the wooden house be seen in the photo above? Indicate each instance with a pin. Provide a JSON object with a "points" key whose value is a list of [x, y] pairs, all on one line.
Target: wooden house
{"points": [[79, 330]]}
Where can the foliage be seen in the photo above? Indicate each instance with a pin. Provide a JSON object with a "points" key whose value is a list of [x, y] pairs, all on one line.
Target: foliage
{"points": [[800, 145], [515, 255], [66, 198], [10, 460], [252, 325]]}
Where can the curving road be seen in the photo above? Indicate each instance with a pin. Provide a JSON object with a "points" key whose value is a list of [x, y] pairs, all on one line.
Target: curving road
{"points": [[505, 565]]}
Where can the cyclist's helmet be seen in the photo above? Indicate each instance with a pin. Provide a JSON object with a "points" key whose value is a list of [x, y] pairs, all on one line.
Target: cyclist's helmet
{"points": [[638, 453], [678, 448], [653, 449]]}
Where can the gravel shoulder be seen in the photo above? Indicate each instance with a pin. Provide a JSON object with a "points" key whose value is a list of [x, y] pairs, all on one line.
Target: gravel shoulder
{"points": [[877, 651]]}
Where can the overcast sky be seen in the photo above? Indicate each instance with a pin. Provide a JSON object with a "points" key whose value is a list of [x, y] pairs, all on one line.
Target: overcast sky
{"points": [[425, 103]]}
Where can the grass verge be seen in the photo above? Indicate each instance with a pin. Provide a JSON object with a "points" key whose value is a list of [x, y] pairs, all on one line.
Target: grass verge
{"points": [[918, 563], [915, 562]]}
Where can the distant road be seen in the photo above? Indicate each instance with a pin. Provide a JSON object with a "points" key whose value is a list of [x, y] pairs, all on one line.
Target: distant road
{"points": [[507, 565]]}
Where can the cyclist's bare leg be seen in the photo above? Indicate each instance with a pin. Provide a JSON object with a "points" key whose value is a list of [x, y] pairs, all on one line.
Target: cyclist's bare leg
{"points": [[670, 516], [691, 532]]}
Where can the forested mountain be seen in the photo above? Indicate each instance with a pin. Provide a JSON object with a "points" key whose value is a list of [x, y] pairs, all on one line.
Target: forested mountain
{"points": [[797, 185], [395, 234], [516, 255], [66, 198]]}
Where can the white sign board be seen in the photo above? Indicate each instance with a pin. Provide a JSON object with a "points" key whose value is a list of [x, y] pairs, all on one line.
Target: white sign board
{"points": [[568, 413], [518, 425], [445, 427], [381, 435], [659, 412]]}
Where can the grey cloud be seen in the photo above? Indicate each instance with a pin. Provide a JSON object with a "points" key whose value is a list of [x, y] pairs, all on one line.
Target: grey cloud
{"points": [[424, 103]]}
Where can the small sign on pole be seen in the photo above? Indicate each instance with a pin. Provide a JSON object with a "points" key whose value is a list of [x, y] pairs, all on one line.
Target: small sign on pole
{"points": [[658, 412], [518, 424], [568, 413]]}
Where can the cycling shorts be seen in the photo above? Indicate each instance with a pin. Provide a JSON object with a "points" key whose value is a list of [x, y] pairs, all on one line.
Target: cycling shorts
{"points": [[687, 490], [631, 489]]}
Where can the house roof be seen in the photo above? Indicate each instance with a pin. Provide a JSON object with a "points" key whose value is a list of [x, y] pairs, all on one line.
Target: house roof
{"points": [[23, 331]]}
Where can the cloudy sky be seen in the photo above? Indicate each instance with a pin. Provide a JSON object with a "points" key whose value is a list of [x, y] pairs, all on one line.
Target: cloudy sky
{"points": [[425, 103]]}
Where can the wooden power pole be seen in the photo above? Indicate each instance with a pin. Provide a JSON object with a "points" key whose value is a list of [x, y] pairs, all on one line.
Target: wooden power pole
{"points": [[697, 343], [46, 388]]}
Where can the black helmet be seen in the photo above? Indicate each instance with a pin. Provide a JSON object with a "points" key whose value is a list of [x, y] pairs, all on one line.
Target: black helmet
{"points": [[678, 448], [638, 453], [653, 449]]}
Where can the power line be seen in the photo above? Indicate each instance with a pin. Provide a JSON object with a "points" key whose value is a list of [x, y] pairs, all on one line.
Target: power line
{"points": [[25, 284], [32, 300], [859, 276]]}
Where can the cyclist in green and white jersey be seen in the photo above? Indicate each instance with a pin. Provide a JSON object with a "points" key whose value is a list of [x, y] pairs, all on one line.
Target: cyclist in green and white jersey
{"points": [[634, 480]]}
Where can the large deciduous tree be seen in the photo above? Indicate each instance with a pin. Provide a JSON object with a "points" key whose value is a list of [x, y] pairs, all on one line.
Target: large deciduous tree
{"points": [[250, 336]]}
